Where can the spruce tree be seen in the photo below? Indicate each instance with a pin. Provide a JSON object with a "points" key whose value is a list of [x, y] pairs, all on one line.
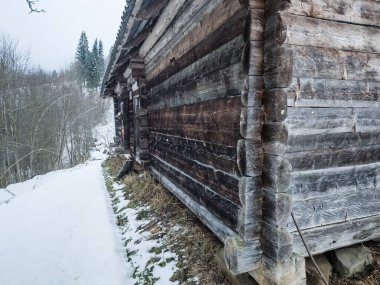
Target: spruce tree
{"points": [[81, 57], [101, 60], [92, 67]]}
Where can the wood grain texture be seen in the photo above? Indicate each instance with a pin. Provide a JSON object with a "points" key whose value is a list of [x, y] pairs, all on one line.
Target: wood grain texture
{"points": [[364, 12]]}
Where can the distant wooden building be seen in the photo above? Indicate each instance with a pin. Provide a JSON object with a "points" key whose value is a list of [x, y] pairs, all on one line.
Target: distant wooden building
{"points": [[254, 111]]}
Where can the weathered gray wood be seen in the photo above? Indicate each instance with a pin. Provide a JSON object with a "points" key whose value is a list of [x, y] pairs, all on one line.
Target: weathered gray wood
{"points": [[252, 91], [241, 256], [274, 102], [249, 157], [342, 180], [275, 138], [365, 12], [291, 271], [367, 119], [150, 9], [251, 123], [335, 208], [276, 242], [278, 66], [307, 31], [250, 213], [313, 92], [317, 62], [326, 238], [276, 208], [276, 173]]}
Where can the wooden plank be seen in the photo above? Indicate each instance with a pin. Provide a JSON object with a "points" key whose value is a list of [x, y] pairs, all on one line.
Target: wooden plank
{"points": [[342, 180], [167, 16], [221, 207], [329, 159], [313, 92], [326, 238], [220, 182], [315, 62], [335, 208], [150, 9], [223, 83], [219, 37], [215, 14], [216, 121], [216, 155], [307, 31], [364, 12], [302, 121]]}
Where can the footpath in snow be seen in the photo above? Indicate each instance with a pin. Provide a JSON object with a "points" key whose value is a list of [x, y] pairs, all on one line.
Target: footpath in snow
{"points": [[60, 229]]}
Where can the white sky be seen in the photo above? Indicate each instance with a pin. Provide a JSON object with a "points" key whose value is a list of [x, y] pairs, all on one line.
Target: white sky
{"points": [[52, 37]]}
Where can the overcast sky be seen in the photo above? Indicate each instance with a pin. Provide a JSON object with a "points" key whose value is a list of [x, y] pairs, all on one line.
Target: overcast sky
{"points": [[52, 37]]}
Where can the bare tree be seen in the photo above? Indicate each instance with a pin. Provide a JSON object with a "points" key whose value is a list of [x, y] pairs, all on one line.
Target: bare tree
{"points": [[32, 8]]}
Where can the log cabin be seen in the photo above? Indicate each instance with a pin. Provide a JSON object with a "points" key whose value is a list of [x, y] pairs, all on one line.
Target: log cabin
{"points": [[261, 116]]}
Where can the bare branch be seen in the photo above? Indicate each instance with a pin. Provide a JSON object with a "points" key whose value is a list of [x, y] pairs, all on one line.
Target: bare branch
{"points": [[31, 4]]}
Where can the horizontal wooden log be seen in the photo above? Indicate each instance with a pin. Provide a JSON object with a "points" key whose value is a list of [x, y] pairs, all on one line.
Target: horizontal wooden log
{"points": [[216, 121], [242, 256], [223, 208], [276, 173], [335, 208], [302, 161], [319, 62], [342, 180], [211, 17], [326, 238], [227, 58], [278, 66], [367, 119], [331, 142], [219, 84], [307, 31], [364, 12], [220, 182], [150, 9], [276, 243], [216, 39], [302, 121], [218, 156], [215, 224], [250, 213], [249, 157], [313, 92]]}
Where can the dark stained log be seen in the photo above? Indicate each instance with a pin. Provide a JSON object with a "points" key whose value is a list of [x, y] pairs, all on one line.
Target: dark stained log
{"points": [[223, 208], [221, 36], [256, 58], [276, 243], [275, 138], [276, 173], [216, 155], [220, 182], [216, 121], [365, 12], [319, 62], [250, 214], [241, 256], [150, 9], [323, 182], [326, 238], [215, 85], [257, 23], [335, 208], [301, 161], [313, 92], [249, 157], [256, 4]]}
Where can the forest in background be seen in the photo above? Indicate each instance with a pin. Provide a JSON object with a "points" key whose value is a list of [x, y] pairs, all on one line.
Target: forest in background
{"points": [[46, 118]]}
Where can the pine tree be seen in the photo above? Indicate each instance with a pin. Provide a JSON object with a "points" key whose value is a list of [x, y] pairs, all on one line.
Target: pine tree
{"points": [[81, 57], [92, 67], [101, 60]]}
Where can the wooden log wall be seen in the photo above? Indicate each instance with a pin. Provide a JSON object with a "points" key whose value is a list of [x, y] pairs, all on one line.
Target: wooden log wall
{"points": [[205, 82], [321, 138]]}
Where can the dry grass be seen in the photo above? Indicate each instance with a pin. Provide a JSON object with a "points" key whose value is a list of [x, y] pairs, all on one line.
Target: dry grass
{"points": [[193, 243]]}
